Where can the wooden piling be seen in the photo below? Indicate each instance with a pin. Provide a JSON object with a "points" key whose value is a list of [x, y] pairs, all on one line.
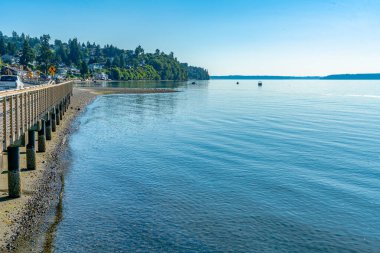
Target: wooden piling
{"points": [[48, 129], [14, 179], [60, 111], [53, 122], [58, 120], [24, 112], [31, 151], [42, 137]]}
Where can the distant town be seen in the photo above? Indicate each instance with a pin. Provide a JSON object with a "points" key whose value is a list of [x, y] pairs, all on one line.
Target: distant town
{"points": [[36, 59]]}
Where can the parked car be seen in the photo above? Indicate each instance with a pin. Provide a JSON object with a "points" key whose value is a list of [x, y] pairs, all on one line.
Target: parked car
{"points": [[10, 82]]}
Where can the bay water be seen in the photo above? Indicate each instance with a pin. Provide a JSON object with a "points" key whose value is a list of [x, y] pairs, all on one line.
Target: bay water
{"points": [[293, 166]]}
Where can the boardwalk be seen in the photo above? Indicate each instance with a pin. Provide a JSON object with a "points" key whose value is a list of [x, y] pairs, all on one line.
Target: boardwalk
{"points": [[24, 112]]}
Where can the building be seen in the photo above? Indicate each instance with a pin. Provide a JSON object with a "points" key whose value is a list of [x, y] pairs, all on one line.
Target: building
{"points": [[62, 71], [8, 59], [101, 76], [74, 71], [95, 66]]}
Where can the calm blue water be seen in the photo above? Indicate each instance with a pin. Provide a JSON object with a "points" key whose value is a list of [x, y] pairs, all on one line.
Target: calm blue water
{"points": [[293, 166]]}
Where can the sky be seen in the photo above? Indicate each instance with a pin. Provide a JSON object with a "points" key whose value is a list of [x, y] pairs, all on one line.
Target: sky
{"points": [[227, 37]]}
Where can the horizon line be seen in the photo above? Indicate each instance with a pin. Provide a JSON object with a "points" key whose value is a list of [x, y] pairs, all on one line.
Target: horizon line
{"points": [[274, 75]]}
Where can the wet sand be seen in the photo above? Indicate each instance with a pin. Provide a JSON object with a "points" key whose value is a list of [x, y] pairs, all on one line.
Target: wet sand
{"points": [[21, 217]]}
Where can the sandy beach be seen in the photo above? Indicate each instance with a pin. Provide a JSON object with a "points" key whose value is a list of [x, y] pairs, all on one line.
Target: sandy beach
{"points": [[40, 188]]}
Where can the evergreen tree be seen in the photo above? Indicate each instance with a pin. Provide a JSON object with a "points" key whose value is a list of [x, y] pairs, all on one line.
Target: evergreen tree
{"points": [[3, 49], [121, 61], [116, 62], [45, 54], [108, 64], [139, 51], [84, 69], [61, 52], [124, 64], [11, 48], [74, 52], [27, 54], [14, 36]]}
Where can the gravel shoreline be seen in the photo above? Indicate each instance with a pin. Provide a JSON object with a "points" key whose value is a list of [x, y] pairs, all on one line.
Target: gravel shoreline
{"points": [[22, 218]]}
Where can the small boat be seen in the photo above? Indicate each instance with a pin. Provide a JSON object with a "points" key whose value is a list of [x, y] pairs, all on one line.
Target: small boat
{"points": [[260, 83]]}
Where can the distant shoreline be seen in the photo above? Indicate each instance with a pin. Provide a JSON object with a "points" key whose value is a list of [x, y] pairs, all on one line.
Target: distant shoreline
{"points": [[374, 76]]}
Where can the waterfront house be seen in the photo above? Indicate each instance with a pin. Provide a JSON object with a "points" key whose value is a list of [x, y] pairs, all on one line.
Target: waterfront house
{"points": [[8, 59], [101, 76], [95, 66]]}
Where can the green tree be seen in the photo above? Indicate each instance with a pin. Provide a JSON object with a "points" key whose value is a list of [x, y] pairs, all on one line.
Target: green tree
{"points": [[108, 64], [14, 36], [84, 69], [98, 52], [45, 55], [125, 64], [121, 61], [27, 54], [139, 51], [11, 48], [61, 52], [3, 49], [75, 52], [116, 62], [115, 74]]}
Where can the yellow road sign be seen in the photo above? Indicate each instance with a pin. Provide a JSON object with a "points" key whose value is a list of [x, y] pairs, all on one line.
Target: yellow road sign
{"points": [[52, 70]]}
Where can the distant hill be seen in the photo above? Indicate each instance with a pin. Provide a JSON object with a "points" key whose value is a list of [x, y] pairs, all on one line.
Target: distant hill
{"points": [[90, 59], [264, 77], [373, 76]]}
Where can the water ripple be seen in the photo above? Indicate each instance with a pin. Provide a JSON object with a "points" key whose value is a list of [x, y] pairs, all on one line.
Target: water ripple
{"points": [[291, 167]]}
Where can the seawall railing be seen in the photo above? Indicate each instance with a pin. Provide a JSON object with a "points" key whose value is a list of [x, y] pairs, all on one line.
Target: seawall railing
{"points": [[24, 112]]}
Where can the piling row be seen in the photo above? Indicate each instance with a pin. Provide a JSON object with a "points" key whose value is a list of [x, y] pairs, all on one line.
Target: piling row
{"points": [[25, 112]]}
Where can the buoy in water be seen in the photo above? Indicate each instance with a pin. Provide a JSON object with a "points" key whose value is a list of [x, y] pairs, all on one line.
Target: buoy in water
{"points": [[237, 82], [193, 83], [260, 84]]}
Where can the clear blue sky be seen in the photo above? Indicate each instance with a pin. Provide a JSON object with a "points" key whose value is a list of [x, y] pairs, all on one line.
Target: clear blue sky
{"points": [[280, 37]]}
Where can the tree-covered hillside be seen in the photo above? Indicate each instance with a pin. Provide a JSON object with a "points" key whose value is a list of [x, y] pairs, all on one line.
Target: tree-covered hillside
{"points": [[90, 58]]}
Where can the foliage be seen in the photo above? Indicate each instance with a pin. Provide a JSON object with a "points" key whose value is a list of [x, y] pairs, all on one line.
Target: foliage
{"points": [[84, 69], [27, 54], [197, 73], [120, 64], [75, 54], [3, 49], [45, 55]]}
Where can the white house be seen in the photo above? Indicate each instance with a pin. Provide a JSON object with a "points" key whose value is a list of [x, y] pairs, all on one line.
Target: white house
{"points": [[95, 66], [101, 76]]}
